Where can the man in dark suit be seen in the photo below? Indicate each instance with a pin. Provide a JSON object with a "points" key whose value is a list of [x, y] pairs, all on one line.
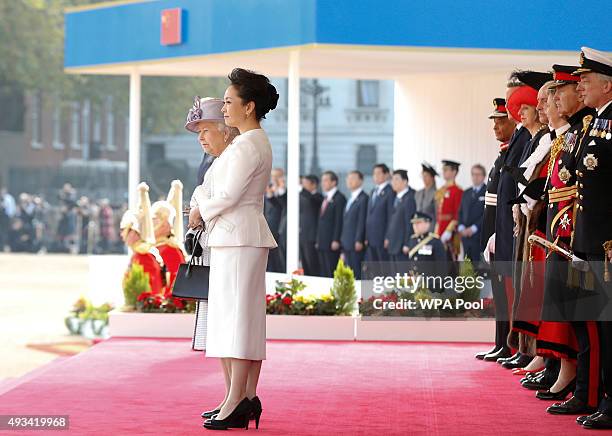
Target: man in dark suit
{"points": [[353, 227], [470, 214], [275, 208], [380, 208], [310, 205], [207, 161], [404, 207], [329, 229]]}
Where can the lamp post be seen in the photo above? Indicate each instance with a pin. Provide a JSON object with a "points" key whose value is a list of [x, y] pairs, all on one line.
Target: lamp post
{"points": [[315, 91]]}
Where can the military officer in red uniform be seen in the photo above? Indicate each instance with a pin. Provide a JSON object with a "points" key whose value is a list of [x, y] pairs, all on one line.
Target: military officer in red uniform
{"points": [[168, 225], [448, 201], [137, 233]]}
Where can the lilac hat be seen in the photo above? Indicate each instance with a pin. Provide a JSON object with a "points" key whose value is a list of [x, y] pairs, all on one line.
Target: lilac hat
{"points": [[204, 109]]}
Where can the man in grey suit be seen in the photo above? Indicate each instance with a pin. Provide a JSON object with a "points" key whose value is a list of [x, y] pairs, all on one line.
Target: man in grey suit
{"points": [[353, 227]]}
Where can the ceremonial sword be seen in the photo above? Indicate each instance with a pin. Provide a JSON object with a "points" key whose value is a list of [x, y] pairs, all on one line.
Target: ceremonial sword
{"points": [[577, 262]]}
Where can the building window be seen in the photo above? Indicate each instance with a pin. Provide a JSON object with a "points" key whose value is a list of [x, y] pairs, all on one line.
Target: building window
{"points": [[74, 125], [110, 123], [368, 93], [366, 158], [36, 120], [126, 131], [57, 124]]}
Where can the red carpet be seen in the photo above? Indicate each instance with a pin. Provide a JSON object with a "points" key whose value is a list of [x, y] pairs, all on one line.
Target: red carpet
{"points": [[149, 386]]}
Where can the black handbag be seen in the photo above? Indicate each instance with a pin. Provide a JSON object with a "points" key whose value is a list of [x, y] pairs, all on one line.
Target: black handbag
{"points": [[191, 279]]}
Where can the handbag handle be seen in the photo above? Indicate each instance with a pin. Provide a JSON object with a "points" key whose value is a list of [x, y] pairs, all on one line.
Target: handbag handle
{"points": [[197, 238]]}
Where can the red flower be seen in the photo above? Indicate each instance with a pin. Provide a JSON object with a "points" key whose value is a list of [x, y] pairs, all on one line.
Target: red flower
{"points": [[269, 298], [143, 296], [287, 301]]}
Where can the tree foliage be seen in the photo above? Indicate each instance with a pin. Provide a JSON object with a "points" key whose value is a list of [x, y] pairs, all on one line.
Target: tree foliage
{"points": [[32, 58]]}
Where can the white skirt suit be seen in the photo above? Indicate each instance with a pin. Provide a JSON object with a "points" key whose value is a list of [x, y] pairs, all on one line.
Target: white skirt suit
{"points": [[239, 240]]}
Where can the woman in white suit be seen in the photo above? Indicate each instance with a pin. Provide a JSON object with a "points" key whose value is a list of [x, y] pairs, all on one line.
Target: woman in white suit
{"points": [[239, 239]]}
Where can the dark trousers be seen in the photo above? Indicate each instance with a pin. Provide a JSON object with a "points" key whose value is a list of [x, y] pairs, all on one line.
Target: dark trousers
{"points": [[552, 368], [587, 362], [276, 261], [353, 260], [500, 299], [309, 258], [605, 330], [377, 254], [471, 248], [328, 260]]}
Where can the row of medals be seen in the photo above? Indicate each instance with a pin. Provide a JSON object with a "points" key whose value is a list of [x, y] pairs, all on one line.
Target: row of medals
{"points": [[602, 128]]}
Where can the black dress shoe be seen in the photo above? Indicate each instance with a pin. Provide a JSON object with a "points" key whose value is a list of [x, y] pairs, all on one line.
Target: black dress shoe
{"points": [[532, 375], [256, 410], [239, 418], [573, 406], [499, 354], [493, 350], [583, 418], [209, 414], [508, 359], [599, 421], [537, 384], [561, 395], [521, 362]]}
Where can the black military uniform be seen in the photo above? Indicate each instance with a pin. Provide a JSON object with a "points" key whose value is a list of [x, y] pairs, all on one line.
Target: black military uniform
{"points": [[560, 295], [502, 323], [426, 246], [593, 226]]}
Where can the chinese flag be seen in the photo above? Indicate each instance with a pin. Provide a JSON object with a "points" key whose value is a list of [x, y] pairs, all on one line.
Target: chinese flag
{"points": [[171, 26]]}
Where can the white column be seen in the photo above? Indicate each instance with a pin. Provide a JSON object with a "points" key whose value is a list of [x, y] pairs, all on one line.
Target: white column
{"points": [[293, 162], [134, 139]]}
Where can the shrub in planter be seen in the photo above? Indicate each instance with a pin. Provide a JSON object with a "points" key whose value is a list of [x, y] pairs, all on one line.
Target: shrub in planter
{"points": [[343, 289], [135, 283]]}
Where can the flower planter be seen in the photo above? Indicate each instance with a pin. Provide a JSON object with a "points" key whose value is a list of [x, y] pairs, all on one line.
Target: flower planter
{"points": [[151, 325], [427, 330], [310, 327]]}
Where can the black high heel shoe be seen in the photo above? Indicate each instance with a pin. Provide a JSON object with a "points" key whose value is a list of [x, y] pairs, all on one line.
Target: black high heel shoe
{"points": [[256, 411], [209, 414], [239, 418], [561, 395]]}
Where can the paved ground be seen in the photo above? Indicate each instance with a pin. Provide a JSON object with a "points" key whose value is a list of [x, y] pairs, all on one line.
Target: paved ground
{"points": [[36, 294]]}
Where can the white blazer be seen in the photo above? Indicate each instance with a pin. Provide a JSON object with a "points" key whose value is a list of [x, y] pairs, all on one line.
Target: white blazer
{"points": [[238, 180]]}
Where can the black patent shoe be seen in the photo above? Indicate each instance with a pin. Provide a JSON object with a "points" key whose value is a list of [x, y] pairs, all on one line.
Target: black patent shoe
{"points": [[239, 418], [256, 410], [508, 359], [561, 395], [520, 362], [573, 406], [481, 356], [580, 420], [502, 353], [599, 421], [210, 413]]}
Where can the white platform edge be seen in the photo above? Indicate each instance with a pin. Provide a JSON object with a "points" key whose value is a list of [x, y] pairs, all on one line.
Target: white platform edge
{"points": [[347, 328]]}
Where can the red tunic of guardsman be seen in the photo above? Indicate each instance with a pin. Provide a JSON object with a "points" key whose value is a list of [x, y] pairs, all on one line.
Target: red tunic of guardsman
{"points": [[137, 233], [448, 208], [151, 265], [168, 224], [448, 201]]}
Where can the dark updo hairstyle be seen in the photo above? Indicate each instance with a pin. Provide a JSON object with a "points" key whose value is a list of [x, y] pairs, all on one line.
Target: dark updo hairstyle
{"points": [[254, 87]]}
